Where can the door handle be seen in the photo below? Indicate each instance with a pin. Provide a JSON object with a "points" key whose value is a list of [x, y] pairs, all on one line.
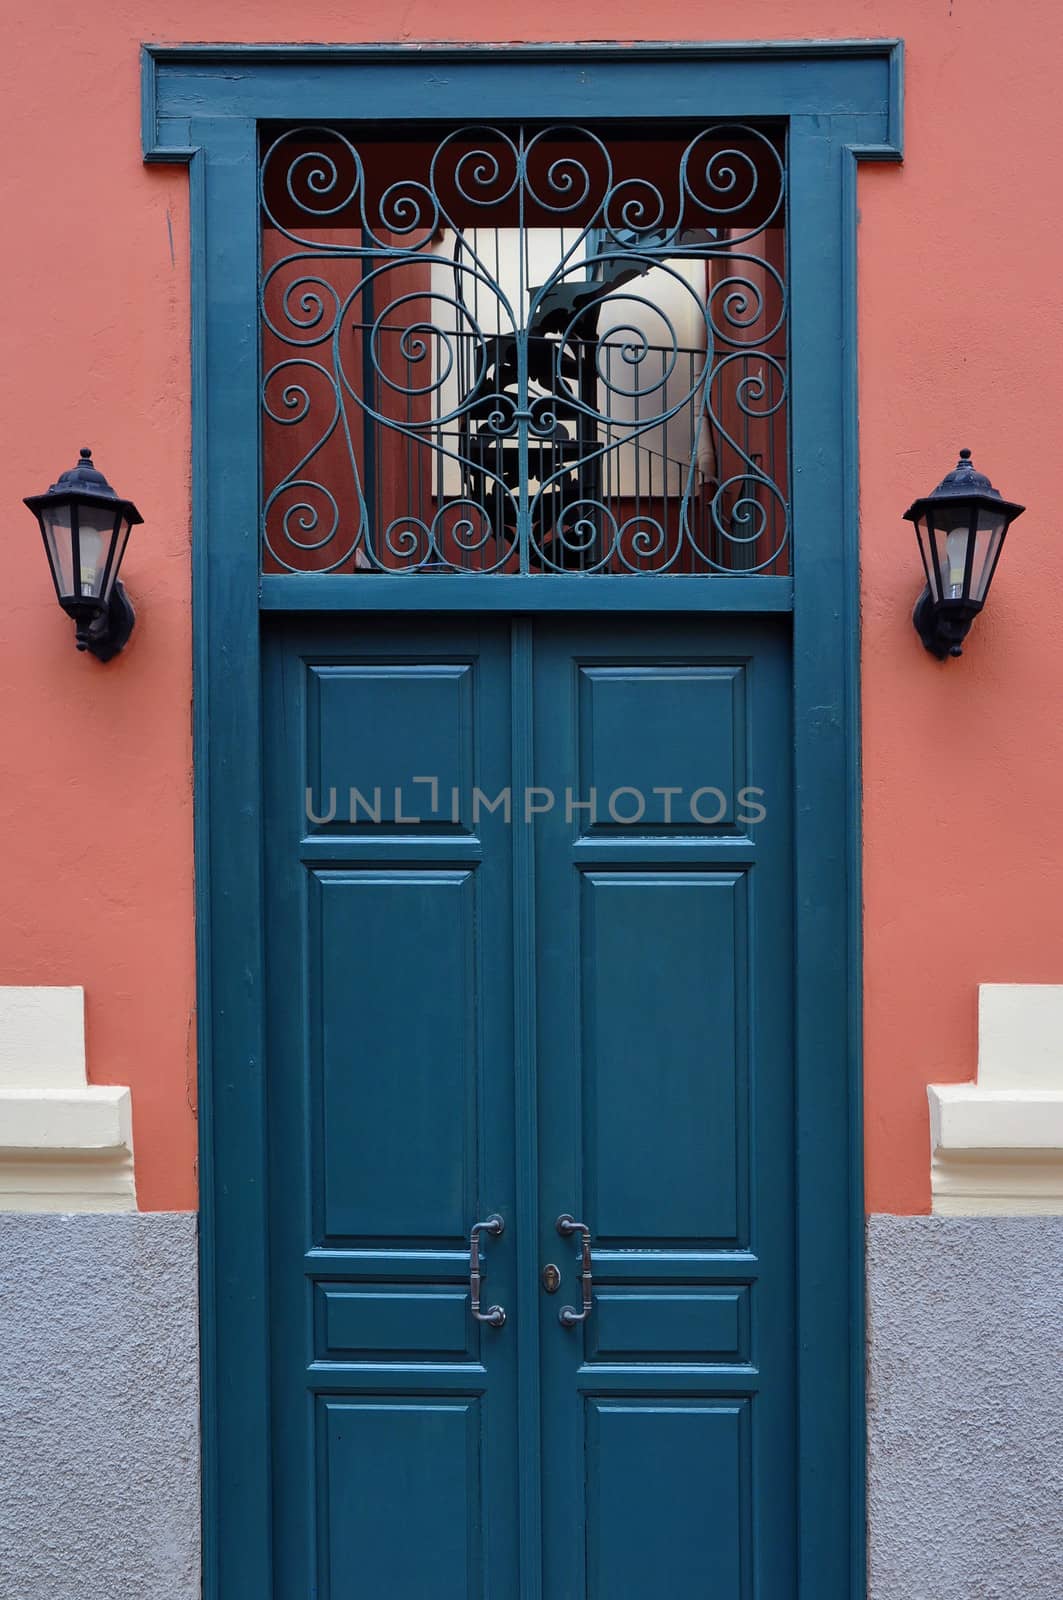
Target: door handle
{"points": [[568, 1316], [495, 1316]]}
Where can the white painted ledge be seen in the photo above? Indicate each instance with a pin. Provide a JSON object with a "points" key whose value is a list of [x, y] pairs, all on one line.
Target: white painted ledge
{"points": [[995, 1152], [996, 1146], [65, 1144]]}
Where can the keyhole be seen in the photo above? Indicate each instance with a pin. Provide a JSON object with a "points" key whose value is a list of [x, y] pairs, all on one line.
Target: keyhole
{"points": [[551, 1278]]}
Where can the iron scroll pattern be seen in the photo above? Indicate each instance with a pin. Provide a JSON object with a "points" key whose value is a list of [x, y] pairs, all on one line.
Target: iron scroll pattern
{"points": [[438, 396]]}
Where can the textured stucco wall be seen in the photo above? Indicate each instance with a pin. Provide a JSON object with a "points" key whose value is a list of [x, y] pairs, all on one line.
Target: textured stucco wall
{"points": [[99, 1423], [965, 1424], [96, 346], [99, 1408]]}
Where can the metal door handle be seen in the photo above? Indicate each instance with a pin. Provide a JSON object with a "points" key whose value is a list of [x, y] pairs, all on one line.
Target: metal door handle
{"points": [[494, 1315], [568, 1316]]}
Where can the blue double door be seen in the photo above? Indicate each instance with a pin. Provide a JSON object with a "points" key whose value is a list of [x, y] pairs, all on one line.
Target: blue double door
{"points": [[530, 1108]]}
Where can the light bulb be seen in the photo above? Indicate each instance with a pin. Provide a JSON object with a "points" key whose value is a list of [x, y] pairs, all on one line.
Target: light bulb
{"points": [[955, 562]]}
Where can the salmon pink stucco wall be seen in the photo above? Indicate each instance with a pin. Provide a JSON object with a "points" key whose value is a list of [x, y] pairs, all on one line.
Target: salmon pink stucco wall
{"points": [[959, 345]]}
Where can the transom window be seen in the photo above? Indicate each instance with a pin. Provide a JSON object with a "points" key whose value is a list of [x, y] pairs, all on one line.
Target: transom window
{"points": [[524, 350]]}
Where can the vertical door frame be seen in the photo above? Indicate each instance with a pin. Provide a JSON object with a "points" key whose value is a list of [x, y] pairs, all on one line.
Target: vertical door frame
{"points": [[842, 101]]}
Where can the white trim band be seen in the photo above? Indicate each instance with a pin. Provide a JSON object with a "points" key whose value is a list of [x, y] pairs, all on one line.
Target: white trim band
{"points": [[65, 1144], [997, 1146]]}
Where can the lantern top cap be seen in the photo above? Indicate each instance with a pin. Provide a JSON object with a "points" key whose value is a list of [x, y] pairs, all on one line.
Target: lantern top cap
{"points": [[967, 483], [84, 475], [965, 479], [84, 481]]}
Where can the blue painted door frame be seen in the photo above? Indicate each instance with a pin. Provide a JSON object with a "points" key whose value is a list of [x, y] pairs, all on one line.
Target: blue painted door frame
{"points": [[841, 102]]}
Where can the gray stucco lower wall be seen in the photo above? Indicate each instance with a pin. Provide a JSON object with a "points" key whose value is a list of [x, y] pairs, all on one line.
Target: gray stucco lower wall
{"points": [[99, 1408], [965, 1408]]}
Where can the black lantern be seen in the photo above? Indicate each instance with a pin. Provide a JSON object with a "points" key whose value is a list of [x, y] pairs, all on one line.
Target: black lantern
{"points": [[961, 529], [85, 528]]}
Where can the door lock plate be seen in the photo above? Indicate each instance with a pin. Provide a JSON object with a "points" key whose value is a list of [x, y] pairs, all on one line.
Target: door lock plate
{"points": [[551, 1278]]}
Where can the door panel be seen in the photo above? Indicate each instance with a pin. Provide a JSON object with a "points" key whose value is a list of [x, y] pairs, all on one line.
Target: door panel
{"points": [[690, 722], [667, 1498], [661, 974], [394, 1082], [404, 1496], [381, 1320], [663, 1057], [375, 727], [659, 1323]]}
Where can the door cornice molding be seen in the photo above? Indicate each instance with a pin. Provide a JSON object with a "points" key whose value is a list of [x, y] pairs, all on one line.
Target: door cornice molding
{"points": [[166, 114]]}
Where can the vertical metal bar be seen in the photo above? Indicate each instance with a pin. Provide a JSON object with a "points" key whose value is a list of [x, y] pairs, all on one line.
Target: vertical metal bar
{"points": [[493, 453], [608, 494], [770, 500], [466, 480], [440, 445], [590, 475], [688, 493], [370, 475], [636, 451], [523, 496], [407, 445]]}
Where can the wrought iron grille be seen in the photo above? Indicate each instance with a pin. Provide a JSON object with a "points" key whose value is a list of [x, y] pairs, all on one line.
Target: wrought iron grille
{"points": [[525, 351]]}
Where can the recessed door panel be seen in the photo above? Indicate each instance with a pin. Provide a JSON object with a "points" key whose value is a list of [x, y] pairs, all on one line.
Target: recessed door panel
{"points": [[403, 1514], [383, 1320], [664, 1055], [387, 741], [689, 1323], [663, 746], [393, 953], [668, 1509]]}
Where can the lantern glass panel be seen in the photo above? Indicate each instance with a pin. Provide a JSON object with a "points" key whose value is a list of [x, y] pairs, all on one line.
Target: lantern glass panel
{"points": [[989, 536], [949, 528], [96, 526], [55, 523], [926, 553], [120, 540]]}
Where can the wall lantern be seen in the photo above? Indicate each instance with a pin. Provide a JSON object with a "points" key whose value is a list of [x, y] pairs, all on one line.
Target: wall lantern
{"points": [[85, 528], [961, 529]]}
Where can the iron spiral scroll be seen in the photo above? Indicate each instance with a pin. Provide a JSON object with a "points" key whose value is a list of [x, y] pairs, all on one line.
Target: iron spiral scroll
{"points": [[525, 351]]}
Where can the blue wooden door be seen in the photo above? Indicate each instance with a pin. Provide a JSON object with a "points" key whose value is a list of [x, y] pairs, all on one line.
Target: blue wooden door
{"points": [[529, 956], [390, 1109], [664, 980]]}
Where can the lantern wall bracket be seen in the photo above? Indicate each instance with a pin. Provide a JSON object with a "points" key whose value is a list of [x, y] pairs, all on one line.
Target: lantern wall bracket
{"points": [[104, 635], [942, 630]]}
